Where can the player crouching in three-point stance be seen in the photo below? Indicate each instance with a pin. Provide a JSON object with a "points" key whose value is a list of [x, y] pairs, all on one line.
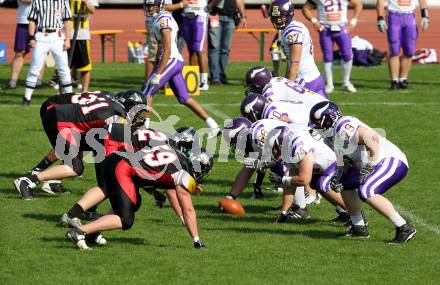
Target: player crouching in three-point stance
{"points": [[160, 166], [380, 165], [66, 127], [169, 65]]}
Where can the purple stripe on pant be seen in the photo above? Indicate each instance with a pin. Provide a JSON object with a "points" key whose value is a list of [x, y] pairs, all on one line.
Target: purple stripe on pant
{"points": [[385, 175], [172, 74], [343, 40], [349, 180], [317, 86], [194, 32], [402, 33]]}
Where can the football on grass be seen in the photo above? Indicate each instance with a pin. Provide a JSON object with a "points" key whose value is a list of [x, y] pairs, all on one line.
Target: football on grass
{"points": [[232, 207]]}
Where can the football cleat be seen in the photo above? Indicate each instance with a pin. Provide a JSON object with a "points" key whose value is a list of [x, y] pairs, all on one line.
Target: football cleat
{"points": [[96, 238], [282, 218], [394, 85], [403, 234], [312, 199], [199, 244], [204, 86], [329, 89], [70, 222], [403, 84], [299, 213], [349, 87], [343, 219], [78, 237], [357, 232], [53, 187], [26, 187], [258, 194], [214, 132]]}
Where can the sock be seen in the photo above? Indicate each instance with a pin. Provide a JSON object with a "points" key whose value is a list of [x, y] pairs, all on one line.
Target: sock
{"points": [[93, 209], [76, 211], [300, 198], [44, 164], [28, 93], [357, 220], [402, 79], [339, 210], [328, 70], [196, 239], [346, 70], [259, 179], [211, 123], [397, 220], [33, 178], [204, 77]]}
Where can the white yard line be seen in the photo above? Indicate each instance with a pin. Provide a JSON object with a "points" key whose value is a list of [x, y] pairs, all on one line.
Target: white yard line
{"points": [[417, 220], [216, 112]]}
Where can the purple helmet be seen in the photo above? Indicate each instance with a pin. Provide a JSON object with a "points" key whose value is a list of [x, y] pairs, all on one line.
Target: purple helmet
{"points": [[234, 129], [158, 3], [256, 78], [324, 115], [278, 140], [252, 106], [281, 13]]}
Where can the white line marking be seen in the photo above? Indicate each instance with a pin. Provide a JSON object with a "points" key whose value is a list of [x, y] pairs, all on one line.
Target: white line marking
{"points": [[216, 112], [433, 228]]}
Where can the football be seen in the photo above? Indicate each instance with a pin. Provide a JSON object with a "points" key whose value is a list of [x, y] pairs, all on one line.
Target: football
{"points": [[232, 207]]}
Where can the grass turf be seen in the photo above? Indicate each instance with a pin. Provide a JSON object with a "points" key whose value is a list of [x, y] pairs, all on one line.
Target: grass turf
{"points": [[247, 250]]}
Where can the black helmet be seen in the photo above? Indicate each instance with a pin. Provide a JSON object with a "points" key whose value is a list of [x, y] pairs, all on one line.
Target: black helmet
{"points": [[186, 138], [130, 99], [202, 163]]}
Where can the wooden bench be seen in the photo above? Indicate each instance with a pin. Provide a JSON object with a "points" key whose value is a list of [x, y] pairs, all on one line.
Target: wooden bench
{"points": [[107, 36], [259, 39], [253, 32]]}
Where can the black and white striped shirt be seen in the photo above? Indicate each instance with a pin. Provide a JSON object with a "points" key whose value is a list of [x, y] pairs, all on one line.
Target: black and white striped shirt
{"points": [[50, 14]]}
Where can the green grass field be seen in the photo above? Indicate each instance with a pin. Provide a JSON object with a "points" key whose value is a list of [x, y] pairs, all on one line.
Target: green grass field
{"points": [[247, 250]]}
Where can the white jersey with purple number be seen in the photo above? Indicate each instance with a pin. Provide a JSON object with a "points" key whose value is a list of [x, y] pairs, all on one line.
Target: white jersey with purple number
{"points": [[302, 144], [283, 89], [402, 5], [332, 12], [288, 111], [346, 143], [297, 33], [164, 20], [197, 7], [261, 129]]}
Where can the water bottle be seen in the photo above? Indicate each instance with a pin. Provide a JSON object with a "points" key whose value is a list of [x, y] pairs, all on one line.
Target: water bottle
{"points": [[275, 52], [131, 52], [139, 50]]}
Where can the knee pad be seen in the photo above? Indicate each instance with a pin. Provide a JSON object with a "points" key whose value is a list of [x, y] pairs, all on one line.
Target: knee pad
{"points": [[78, 166], [127, 220]]}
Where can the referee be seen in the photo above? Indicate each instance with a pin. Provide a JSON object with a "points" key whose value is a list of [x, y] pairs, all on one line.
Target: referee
{"points": [[46, 21]]}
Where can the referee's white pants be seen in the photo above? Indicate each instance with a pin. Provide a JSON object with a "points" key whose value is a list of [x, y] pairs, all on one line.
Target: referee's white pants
{"points": [[54, 43]]}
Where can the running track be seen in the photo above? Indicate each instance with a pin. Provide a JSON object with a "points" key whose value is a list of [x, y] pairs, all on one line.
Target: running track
{"points": [[245, 48]]}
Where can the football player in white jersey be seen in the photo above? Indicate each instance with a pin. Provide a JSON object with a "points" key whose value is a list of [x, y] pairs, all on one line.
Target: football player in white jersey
{"points": [[170, 65], [381, 165], [297, 45], [333, 27], [402, 33], [259, 80], [308, 161]]}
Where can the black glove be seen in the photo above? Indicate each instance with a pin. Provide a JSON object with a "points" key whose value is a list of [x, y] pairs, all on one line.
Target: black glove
{"points": [[275, 178], [282, 218], [365, 172], [199, 244]]}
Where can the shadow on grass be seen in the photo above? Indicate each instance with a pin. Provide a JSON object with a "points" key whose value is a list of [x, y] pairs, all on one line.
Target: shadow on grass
{"points": [[43, 217], [315, 234]]}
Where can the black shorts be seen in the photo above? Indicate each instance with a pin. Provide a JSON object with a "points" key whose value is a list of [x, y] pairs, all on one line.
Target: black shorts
{"points": [[81, 55], [69, 143], [121, 188]]}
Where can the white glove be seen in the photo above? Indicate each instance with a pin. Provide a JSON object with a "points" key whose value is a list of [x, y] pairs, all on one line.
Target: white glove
{"points": [[155, 80], [382, 25], [425, 23], [255, 163]]}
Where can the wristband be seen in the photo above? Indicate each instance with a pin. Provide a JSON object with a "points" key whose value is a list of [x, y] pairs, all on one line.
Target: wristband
{"points": [[31, 37], [425, 13], [286, 181], [314, 20], [354, 21], [380, 18]]}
